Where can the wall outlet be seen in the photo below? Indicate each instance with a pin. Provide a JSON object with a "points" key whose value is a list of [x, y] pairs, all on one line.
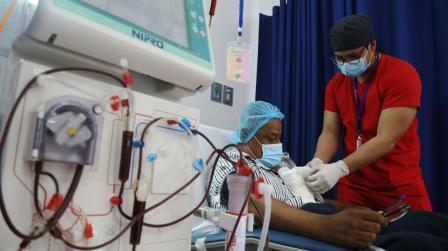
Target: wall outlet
{"points": [[228, 95], [216, 92]]}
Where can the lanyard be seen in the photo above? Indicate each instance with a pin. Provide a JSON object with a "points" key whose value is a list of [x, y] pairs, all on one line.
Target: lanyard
{"points": [[360, 105], [240, 20]]}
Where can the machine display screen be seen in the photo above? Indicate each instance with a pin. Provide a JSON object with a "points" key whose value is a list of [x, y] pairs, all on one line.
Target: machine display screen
{"points": [[178, 27], [165, 18]]}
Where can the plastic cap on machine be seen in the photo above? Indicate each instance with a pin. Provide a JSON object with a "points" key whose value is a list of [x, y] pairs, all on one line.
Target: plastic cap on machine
{"points": [[198, 165], [254, 116], [88, 231], [151, 157]]}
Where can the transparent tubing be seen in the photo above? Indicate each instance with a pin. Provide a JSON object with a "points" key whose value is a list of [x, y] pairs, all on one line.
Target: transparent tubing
{"points": [[239, 187], [266, 190]]}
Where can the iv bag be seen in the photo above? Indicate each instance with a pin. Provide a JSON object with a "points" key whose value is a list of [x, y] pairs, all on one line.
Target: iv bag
{"points": [[238, 61]]}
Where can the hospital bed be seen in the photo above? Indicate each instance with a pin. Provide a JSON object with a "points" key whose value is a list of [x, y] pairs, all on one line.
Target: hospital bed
{"points": [[277, 240]]}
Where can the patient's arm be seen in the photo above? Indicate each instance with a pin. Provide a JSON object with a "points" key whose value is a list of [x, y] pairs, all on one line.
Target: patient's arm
{"points": [[342, 206], [352, 228]]}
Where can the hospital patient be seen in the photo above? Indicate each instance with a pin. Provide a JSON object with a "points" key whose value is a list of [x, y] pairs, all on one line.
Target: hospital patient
{"points": [[296, 210]]}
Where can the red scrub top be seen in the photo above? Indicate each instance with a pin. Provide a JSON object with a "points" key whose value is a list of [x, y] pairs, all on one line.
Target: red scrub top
{"points": [[395, 83]]}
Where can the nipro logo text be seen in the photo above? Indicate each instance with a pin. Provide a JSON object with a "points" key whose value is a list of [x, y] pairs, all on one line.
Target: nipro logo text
{"points": [[147, 38]]}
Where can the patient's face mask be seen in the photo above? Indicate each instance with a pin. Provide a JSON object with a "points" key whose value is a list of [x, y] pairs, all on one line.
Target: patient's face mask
{"points": [[272, 154]]}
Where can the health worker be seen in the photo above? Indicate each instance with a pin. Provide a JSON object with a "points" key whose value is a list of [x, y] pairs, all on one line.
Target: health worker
{"points": [[372, 102]]}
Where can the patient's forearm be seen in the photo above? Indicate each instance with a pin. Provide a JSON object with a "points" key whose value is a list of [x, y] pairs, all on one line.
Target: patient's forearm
{"points": [[353, 227], [289, 219], [342, 206]]}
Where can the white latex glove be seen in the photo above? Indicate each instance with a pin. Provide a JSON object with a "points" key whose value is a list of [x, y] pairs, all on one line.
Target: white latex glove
{"points": [[324, 177], [315, 163]]}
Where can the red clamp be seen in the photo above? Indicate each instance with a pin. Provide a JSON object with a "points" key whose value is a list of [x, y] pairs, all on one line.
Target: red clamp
{"points": [[242, 167], [171, 122], [55, 202], [257, 193], [88, 231], [115, 102], [115, 200], [128, 79], [125, 102]]}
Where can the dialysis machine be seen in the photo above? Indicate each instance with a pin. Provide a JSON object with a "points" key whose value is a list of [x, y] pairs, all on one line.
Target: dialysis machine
{"points": [[85, 125]]}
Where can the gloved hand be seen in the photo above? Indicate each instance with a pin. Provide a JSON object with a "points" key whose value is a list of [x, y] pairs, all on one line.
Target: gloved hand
{"points": [[324, 177], [315, 163]]}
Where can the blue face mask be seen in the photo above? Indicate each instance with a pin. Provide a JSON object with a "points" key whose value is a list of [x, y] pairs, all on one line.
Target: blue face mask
{"points": [[351, 69], [272, 154]]}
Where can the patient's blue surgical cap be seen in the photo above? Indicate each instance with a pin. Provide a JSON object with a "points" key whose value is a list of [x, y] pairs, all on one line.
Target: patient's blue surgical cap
{"points": [[253, 117]]}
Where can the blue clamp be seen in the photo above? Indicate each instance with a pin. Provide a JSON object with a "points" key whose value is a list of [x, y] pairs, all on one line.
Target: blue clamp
{"points": [[198, 165], [138, 144], [151, 157], [185, 124]]}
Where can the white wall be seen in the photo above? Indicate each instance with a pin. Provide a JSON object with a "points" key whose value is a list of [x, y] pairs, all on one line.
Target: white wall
{"points": [[224, 29]]}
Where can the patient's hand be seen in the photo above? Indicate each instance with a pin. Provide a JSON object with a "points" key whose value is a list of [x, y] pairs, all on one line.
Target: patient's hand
{"points": [[304, 171], [295, 180], [354, 228]]}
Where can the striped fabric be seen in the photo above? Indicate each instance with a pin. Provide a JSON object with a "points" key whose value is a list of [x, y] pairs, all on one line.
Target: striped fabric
{"points": [[224, 168]]}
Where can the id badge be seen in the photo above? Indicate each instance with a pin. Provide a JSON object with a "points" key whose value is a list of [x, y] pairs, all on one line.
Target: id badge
{"points": [[358, 142]]}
